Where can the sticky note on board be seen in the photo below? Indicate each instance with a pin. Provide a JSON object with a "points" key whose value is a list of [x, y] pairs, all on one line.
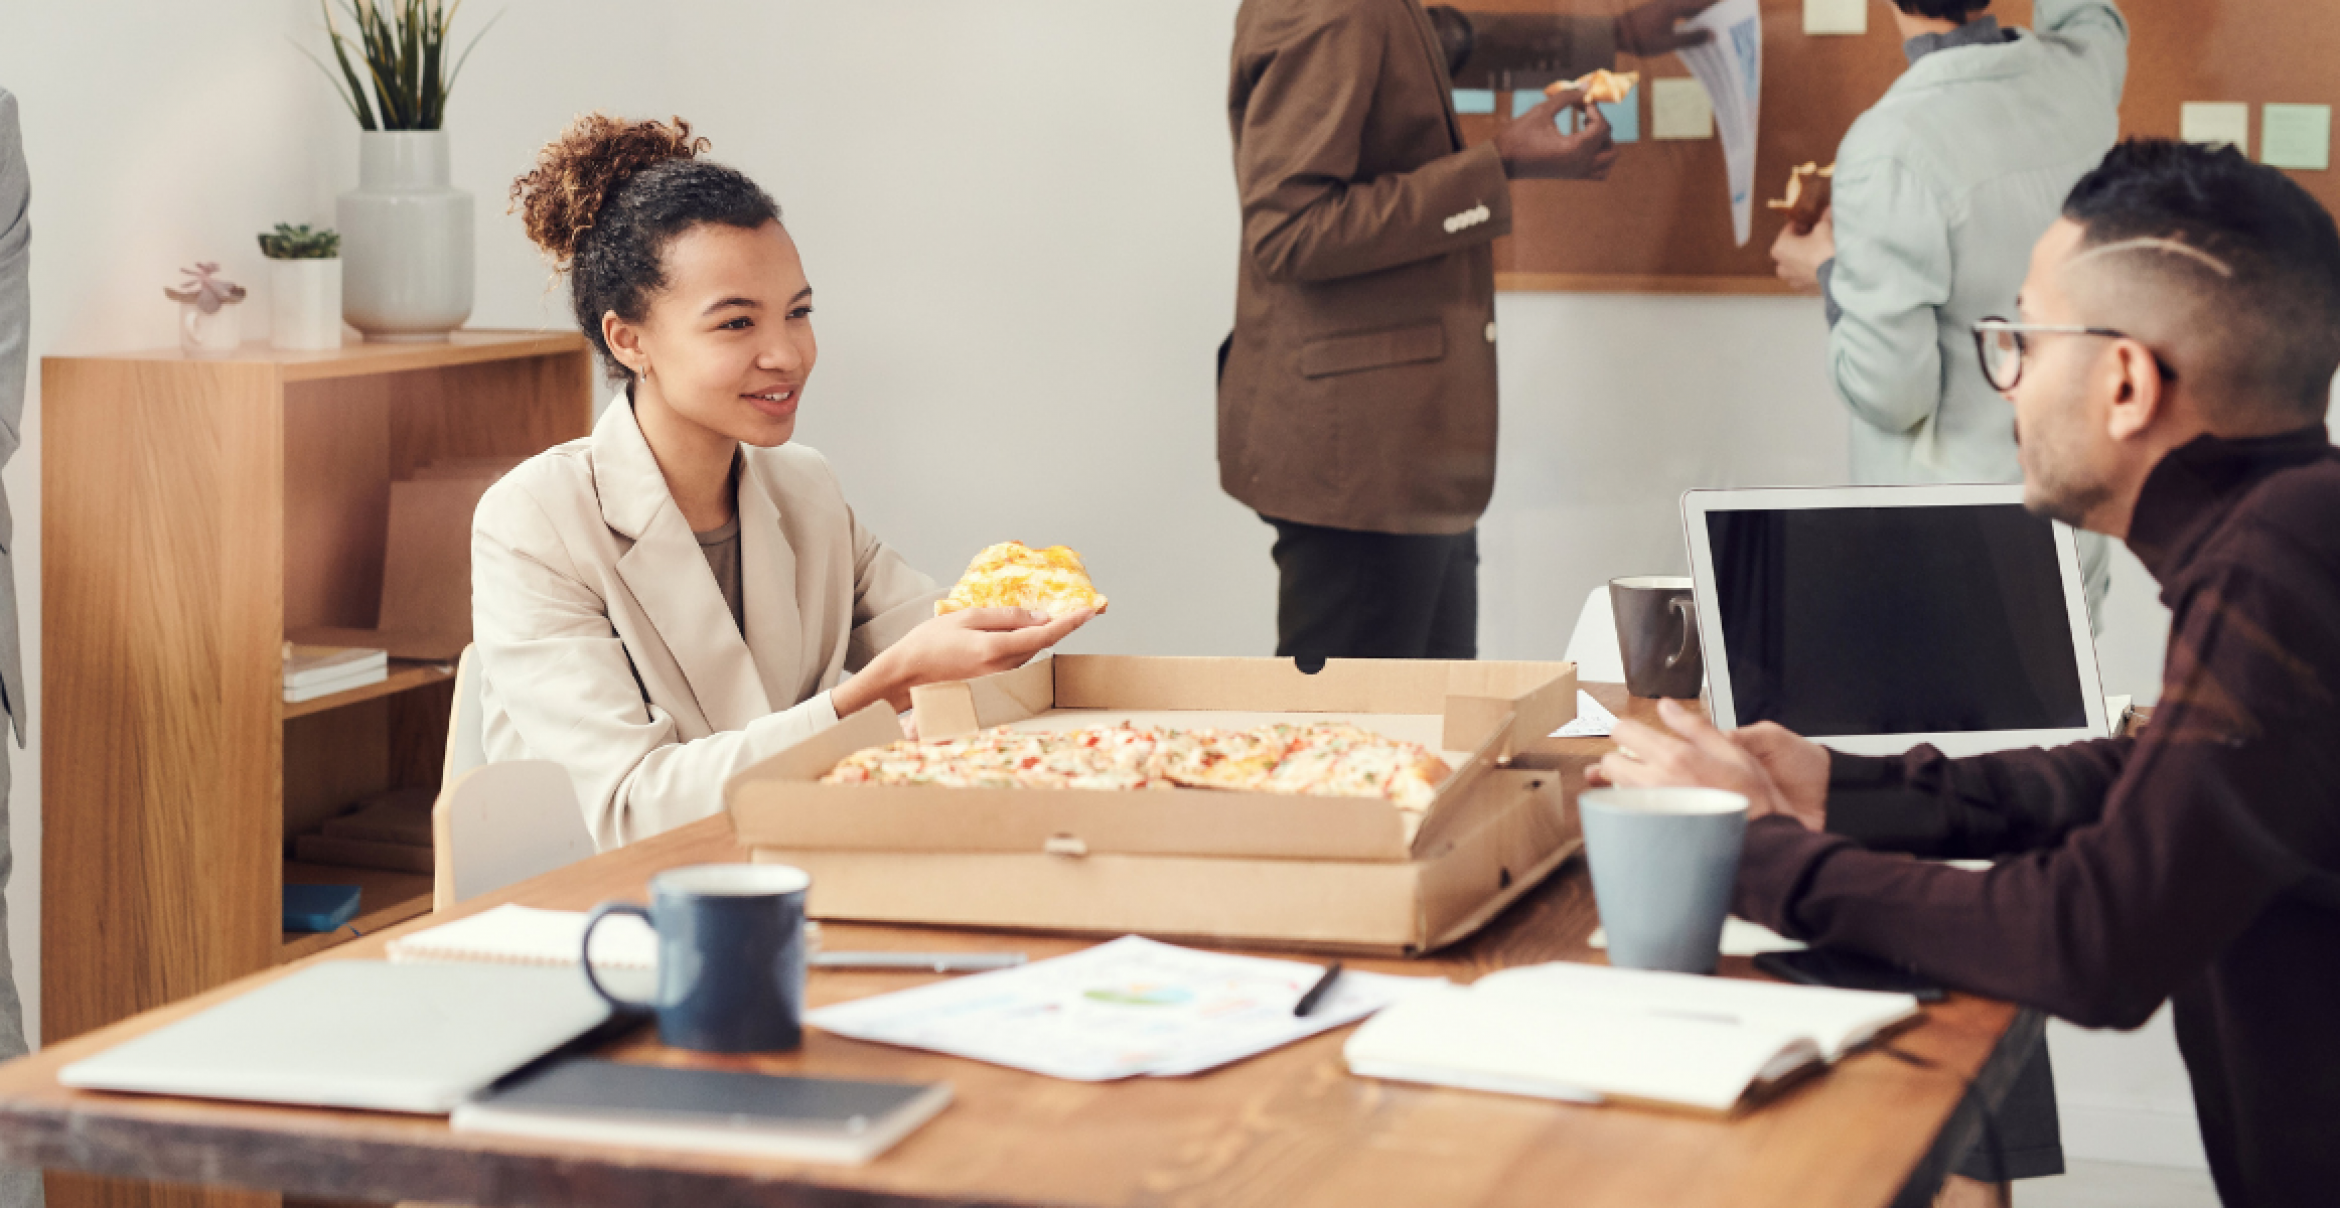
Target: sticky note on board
{"points": [[1474, 100], [1525, 99], [2212, 123], [1624, 119], [1679, 109], [2296, 136], [1824, 17]]}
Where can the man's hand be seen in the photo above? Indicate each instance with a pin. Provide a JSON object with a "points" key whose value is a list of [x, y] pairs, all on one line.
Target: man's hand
{"points": [[961, 645], [1648, 31], [1533, 148], [1693, 755], [1799, 257], [1798, 768]]}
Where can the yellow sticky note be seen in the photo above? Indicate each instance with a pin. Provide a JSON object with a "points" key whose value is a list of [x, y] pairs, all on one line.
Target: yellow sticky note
{"points": [[2213, 123], [1679, 109], [2296, 136], [1836, 17]]}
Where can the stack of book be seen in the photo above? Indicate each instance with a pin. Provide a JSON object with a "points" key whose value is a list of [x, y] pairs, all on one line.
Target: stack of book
{"points": [[387, 830], [314, 671]]}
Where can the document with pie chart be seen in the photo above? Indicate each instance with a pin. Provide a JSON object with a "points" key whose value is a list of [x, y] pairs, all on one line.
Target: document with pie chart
{"points": [[1121, 1009]]}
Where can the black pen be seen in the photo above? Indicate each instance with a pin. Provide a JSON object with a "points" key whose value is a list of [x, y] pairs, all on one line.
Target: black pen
{"points": [[1316, 992]]}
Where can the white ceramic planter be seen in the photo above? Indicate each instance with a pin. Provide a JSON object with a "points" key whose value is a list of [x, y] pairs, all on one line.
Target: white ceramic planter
{"points": [[210, 335], [304, 304], [406, 240]]}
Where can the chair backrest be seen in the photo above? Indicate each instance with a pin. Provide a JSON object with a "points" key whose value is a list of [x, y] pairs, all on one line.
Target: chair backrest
{"points": [[466, 743], [1593, 645], [502, 823]]}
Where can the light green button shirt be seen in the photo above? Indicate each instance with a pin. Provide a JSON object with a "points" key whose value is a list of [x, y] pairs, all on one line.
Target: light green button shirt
{"points": [[1940, 192]]}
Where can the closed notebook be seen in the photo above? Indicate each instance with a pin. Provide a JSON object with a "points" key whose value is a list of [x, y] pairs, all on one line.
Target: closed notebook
{"points": [[1588, 1033], [707, 1111]]}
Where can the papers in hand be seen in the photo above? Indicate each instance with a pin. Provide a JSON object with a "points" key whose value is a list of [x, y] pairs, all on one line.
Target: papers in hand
{"points": [[1586, 1033], [1118, 1010], [1731, 69], [1592, 721]]}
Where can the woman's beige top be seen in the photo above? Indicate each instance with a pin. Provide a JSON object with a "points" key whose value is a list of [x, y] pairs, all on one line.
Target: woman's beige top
{"points": [[605, 645]]}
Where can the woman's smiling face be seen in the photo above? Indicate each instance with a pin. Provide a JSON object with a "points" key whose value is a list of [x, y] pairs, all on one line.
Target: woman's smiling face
{"points": [[728, 343]]}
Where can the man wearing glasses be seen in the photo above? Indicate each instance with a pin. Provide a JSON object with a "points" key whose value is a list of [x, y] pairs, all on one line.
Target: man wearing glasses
{"points": [[2171, 369], [1939, 189]]}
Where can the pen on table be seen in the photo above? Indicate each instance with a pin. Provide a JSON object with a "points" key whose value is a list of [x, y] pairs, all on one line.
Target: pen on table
{"points": [[1308, 1002], [937, 962]]}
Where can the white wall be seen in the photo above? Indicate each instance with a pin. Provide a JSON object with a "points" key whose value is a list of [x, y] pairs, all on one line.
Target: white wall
{"points": [[1019, 217]]}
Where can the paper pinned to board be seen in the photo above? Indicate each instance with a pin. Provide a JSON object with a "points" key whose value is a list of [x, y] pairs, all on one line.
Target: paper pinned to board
{"points": [[1592, 720], [1731, 69]]}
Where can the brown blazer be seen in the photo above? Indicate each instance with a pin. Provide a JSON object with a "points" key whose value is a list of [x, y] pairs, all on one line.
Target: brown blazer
{"points": [[1358, 388]]}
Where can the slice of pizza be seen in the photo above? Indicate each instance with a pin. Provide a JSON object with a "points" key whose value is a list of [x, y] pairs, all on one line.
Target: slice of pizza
{"points": [[1336, 759], [1014, 575], [1809, 194], [1236, 760], [1602, 87]]}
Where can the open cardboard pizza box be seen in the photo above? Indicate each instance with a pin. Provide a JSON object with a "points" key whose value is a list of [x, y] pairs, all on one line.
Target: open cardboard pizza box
{"points": [[1315, 871]]}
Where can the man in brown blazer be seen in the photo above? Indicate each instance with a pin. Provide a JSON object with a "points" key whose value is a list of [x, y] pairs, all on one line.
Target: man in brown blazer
{"points": [[1357, 392]]}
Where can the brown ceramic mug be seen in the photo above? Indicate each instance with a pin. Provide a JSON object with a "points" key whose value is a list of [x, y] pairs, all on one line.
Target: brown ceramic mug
{"points": [[1657, 634]]}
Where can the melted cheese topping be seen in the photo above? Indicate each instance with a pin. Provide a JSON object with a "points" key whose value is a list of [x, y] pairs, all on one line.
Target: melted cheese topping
{"points": [[1319, 760], [1014, 575]]}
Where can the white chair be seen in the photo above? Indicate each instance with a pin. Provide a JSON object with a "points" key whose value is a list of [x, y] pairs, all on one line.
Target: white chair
{"points": [[502, 823], [466, 744], [1593, 644], [495, 824]]}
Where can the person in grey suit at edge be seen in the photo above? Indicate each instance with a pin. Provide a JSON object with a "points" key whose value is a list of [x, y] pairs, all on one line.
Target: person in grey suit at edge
{"points": [[19, 1188]]}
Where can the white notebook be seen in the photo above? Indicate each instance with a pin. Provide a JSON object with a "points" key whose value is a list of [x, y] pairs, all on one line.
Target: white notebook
{"points": [[523, 935], [1588, 1033]]}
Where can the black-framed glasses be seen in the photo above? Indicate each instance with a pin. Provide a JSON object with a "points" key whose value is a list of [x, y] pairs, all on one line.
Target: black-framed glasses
{"points": [[2003, 343]]}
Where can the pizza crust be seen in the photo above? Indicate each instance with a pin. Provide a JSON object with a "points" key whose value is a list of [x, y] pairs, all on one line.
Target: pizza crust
{"points": [[1601, 87]]}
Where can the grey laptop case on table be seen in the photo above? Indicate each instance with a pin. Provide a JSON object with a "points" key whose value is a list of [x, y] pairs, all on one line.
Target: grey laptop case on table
{"points": [[357, 1034]]}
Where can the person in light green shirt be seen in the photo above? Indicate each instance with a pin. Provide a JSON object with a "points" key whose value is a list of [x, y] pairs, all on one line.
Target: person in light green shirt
{"points": [[1940, 191]]}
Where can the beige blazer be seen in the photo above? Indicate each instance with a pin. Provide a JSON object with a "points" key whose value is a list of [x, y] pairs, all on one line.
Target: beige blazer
{"points": [[605, 645]]}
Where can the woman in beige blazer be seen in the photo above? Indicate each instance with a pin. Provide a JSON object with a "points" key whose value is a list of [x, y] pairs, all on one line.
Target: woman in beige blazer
{"points": [[684, 592]]}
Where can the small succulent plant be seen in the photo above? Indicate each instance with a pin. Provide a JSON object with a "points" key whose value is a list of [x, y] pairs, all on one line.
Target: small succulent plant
{"points": [[289, 242], [204, 289]]}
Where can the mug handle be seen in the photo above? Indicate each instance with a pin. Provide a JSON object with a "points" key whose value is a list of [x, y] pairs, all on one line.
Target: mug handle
{"points": [[585, 949], [1688, 609]]}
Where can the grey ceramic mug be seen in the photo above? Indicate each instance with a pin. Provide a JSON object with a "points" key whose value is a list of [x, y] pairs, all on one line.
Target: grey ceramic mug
{"points": [[1657, 636], [1664, 862], [730, 956]]}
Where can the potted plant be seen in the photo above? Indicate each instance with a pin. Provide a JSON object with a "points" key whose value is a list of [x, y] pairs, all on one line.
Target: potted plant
{"points": [[406, 232], [209, 324], [304, 287]]}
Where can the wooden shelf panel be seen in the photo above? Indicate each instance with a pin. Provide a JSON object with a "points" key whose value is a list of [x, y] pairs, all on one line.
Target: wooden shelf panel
{"points": [[359, 359], [385, 898], [404, 676]]}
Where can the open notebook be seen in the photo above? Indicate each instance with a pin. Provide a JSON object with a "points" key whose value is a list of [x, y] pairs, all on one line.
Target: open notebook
{"points": [[1588, 1033]]}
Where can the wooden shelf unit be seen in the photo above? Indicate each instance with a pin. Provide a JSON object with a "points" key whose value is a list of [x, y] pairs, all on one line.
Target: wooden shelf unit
{"points": [[194, 512]]}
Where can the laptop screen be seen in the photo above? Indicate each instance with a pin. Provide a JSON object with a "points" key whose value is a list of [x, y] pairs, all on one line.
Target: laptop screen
{"points": [[1905, 620]]}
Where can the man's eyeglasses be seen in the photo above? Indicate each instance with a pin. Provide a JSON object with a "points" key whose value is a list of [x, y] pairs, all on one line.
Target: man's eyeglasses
{"points": [[2002, 344]]}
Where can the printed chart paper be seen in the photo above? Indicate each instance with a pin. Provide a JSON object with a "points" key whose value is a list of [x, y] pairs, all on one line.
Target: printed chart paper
{"points": [[1118, 1010], [1731, 69]]}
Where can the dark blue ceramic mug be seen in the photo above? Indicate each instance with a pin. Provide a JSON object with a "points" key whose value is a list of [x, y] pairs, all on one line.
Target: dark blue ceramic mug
{"points": [[730, 956]]}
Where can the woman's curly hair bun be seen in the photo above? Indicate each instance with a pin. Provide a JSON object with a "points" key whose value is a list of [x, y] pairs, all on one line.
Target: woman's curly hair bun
{"points": [[576, 174]]}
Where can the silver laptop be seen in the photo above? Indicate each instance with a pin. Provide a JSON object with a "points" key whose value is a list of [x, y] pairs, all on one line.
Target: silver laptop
{"points": [[359, 1034], [1875, 618]]}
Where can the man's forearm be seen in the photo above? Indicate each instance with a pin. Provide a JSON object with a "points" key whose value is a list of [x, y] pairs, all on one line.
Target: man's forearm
{"points": [[1504, 50], [1979, 808]]}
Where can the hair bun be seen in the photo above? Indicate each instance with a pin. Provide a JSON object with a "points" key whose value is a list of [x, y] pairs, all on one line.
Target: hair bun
{"points": [[576, 174]]}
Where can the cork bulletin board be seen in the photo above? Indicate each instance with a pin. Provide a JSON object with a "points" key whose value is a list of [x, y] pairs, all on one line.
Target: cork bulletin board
{"points": [[1661, 223]]}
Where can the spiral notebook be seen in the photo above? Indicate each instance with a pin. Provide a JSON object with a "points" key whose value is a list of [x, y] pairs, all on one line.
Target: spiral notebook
{"points": [[523, 935]]}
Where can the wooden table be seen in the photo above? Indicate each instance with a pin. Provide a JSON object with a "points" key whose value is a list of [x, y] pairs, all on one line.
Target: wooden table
{"points": [[1291, 1127]]}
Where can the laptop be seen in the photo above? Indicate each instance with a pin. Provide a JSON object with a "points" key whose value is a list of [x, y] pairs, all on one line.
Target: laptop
{"points": [[1872, 619], [357, 1034]]}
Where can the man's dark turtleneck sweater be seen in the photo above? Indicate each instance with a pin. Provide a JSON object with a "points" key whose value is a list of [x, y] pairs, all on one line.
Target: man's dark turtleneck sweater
{"points": [[2198, 862]]}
